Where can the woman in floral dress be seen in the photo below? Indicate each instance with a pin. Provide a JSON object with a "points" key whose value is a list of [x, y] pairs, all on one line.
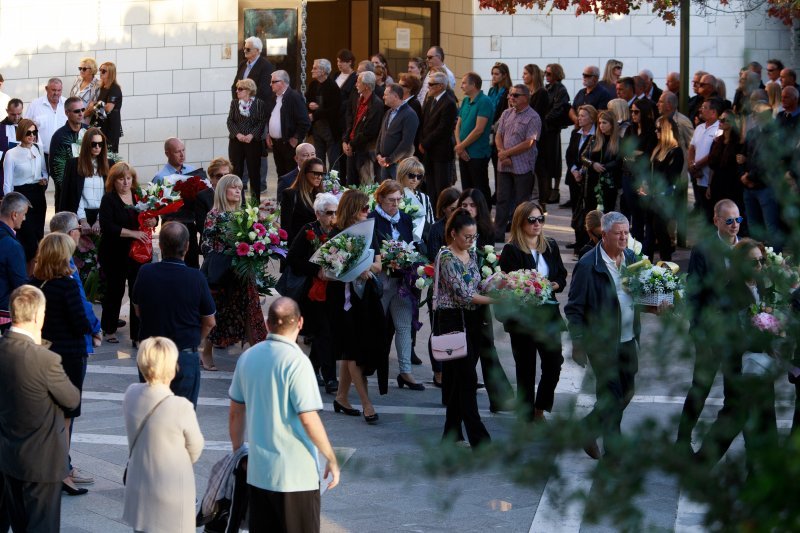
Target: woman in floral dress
{"points": [[239, 314]]}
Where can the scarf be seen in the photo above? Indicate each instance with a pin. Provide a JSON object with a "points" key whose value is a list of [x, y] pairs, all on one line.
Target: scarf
{"points": [[394, 221], [244, 106]]}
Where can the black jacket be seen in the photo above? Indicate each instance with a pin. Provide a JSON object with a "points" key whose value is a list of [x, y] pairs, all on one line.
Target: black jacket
{"points": [[575, 152], [72, 187], [437, 126], [294, 213], [294, 115], [557, 117], [512, 258], [383, 228], [261, 73], [329, 98], [366, 131], [593, 309], [251, 125]]}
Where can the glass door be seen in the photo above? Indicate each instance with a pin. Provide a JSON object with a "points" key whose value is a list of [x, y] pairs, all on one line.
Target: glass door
{"points": [[402, 29]]}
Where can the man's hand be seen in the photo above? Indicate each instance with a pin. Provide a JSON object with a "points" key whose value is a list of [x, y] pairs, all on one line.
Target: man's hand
{"points": [[579, 355], [331, 468], [269, 142]]}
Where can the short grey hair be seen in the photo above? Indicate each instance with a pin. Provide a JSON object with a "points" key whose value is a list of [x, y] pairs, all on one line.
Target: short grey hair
{"points": [[281, 75], [792, 91], [255, 42], [523, 90], [366, 66], [646, 73], [13, 202], [439, 77], [324, 201], [594, 70], [674, 75], [54, 81], [671, 99], [612, 218], [324, 64], [64, 222], [368, 79]]}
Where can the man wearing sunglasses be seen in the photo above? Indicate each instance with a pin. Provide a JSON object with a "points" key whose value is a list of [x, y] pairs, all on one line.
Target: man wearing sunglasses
{"points": [[592, 93], [708, 263], [255, 67], [436, 140], [65, 143], [48, 113]]}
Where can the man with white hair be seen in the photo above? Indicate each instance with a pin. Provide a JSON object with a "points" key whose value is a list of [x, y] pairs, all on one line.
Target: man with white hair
{"points": [[673, 83], [592, 94], [323, 98], [48, 113], [651, 90], [288, 121], [255, 67], [362, 125]]}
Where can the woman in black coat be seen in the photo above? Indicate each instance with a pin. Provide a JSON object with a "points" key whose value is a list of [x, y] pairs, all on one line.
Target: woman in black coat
{"points": [[580, 142], [79, 195], [530, 249], [638, 142], [604, 164], [297, 203], [533, 77], [246, 120], [557, 119]]}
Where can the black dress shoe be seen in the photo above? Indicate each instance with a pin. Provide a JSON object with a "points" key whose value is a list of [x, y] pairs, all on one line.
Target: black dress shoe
{"points": [[571, 245], [566, 204], [480, 386], [415, 360], [332, 386], [349, 411], [73, 492], [411, 385], [372, 419], [555, 197], [592, 449], [437, 384], [121, 323], [320, 381]]}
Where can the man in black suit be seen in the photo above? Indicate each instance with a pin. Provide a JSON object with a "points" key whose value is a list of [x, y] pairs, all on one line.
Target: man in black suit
{"points": [[362, 124], [255, 67], [651, 90], [33, 391], [396, 137], [301, 153], [436, 141], [324, 104], [288, 122]]}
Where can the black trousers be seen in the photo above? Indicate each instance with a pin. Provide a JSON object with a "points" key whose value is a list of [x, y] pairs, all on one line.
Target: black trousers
{"points": [[437, 175], [706, 365], [249, 154], [326, 144], [497, 385], [615, 373], [290, 512], [32, 507], [475, 175], [360, 168], [524, 348], [322, 358], [459, 378], [283, 152], [32, 229], [117, 274]]}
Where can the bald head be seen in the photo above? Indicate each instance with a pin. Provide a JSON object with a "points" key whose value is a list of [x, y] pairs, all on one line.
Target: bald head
{"points": [[175, 151], [304, 151], [173, 240], [283, 318], [673, 82], [789, 98]]}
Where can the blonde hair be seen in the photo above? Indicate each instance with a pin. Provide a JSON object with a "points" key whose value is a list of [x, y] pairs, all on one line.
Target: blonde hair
{"points": [[409, 165], [112, 74], [89, 62], [666, 141], [620, 108], [118, 171], [248, 84], [24, 303], [157, 359], [221, 202], [774, 94], [610, 145], [52, 257], [518, 238]]}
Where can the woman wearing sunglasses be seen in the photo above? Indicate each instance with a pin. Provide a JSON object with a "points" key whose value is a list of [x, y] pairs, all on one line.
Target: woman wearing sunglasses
{"points": [[86, 86], [529, 249], [23, 168], [107, 116], [246, 120], [297, 202], [84, 180], [410, 174]]}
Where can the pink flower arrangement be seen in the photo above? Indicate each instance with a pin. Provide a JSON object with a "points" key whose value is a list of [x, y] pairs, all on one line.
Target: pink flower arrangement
{"points": [[282, 234], [259, 247], [242, 249], [259, 229], [767, 323]]}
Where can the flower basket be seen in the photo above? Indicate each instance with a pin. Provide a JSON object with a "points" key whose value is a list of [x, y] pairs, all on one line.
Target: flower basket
{"points": [[655, 299]]}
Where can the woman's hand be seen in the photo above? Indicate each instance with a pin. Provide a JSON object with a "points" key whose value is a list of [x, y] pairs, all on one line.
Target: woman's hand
{"points": [[140, 236], [577, 175], [708, 192], [85, 228], [96, 227], [366, 274], [554, 285], [598, 167], [321, 274], [150, 222]]}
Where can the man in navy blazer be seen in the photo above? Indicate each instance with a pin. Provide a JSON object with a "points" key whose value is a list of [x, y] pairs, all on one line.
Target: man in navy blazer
{"points": [[288, 122], [396, 137], [604, 326], [255, 67]]}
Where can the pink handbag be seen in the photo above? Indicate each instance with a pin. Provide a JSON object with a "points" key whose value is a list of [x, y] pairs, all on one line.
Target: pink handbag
{"points": [[449, 346]]}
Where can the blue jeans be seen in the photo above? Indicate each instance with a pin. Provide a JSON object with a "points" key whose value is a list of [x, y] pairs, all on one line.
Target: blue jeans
{"points": [[187, 379], [763, 216]]}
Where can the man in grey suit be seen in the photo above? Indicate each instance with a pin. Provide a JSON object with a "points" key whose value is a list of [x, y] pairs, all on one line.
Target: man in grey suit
{"points": [[33, 391], [396, 137]]}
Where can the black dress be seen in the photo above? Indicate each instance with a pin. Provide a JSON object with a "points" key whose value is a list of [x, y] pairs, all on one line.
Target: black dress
{"points": [[112, 125], [295, 213], [65, 325], [659, 204]]}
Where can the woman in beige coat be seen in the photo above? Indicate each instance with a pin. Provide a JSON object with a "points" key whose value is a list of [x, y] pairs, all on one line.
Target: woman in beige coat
{"points": [[160, 490]]}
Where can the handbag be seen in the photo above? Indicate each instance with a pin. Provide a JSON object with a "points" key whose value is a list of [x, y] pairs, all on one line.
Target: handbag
{"points": [[291, 284], [216, 268], [139, 432], [450, 346], [759, 364]]}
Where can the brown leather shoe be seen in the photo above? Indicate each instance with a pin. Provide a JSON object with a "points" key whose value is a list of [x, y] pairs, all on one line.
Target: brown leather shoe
{"points": [[592, 449]]}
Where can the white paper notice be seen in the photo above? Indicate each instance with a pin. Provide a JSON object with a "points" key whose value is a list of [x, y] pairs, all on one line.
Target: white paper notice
{"points": [[403, 39], [277, 47]]}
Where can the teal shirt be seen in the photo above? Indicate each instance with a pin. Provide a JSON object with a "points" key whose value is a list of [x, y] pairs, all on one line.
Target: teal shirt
{"points": [[275, 381], [470, 111]]}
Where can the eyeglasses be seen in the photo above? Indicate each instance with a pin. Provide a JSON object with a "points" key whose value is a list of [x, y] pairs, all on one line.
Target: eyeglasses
{"points": [[585, 75], [704, 83], [635, 111], [365, 208], [771, 69], [470, 238], [31, 133], [730, 221], [240, 89], [331, 213], [273, 82], [415, 176], [393, 200], [102, 71], [98, 144], [515, 95], [430, 57], [218, 175], [78, 111], [759, 262], [433, 83], [246, 49], [315, 173], [534, 220], [547, 73], [84, 69]]}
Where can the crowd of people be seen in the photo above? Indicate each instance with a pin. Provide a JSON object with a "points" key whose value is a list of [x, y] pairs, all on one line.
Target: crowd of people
{"points": [[630, 158]]}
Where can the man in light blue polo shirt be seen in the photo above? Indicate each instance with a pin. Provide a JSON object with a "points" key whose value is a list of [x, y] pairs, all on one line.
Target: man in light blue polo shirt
{"points": [[274, 393], [473, 128]]}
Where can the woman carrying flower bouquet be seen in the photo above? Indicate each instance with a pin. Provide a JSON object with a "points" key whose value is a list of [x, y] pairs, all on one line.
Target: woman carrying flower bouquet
{"points": [[410, 174], [312, 303], [399, 296], [119, 224], [529, 249], [459, 308], [357, 322], [297, 202], [239, 315]]}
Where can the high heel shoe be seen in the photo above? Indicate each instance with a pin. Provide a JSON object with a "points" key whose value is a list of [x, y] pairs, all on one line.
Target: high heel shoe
{"points": [[410, 384], [349, 411], [371, 419], [73, 491]]}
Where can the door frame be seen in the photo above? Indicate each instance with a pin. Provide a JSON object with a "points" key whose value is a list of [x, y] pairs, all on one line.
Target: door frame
{"points": [[375, 6]]}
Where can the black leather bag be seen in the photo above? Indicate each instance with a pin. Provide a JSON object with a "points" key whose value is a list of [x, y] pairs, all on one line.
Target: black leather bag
{"points": [[291, 284], [217, 268]]}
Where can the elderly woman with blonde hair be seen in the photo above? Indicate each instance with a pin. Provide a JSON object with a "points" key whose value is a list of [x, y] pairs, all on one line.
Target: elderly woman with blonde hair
{"points": [[164, 440]]}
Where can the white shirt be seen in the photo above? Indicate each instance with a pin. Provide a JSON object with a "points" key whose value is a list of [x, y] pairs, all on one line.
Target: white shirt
{"points": [[93, 189], [341, 78], [11, 133], [541, 264], [450, 76], [47, 120], [4, 99], [701, 140], [22, 166], [626, 313], [21, 331], [275, 119]]}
